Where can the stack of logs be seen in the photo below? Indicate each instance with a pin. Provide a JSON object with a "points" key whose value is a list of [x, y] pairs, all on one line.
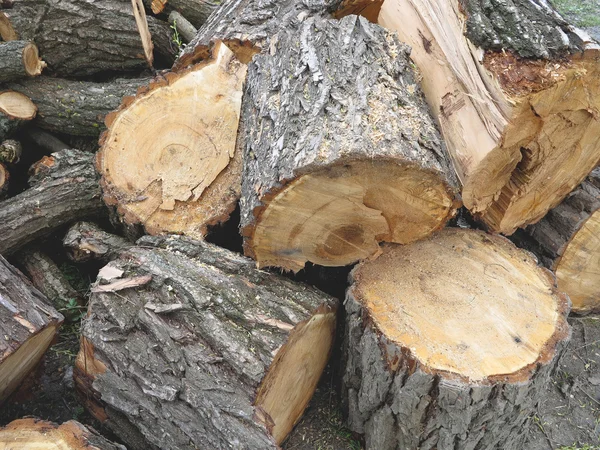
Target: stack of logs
{"points": [[347, 132]]}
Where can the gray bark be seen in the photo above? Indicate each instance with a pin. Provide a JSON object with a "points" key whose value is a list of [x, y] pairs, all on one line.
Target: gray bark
{"points": [[195, 11], [186, 379], [9, 125], [87, 241], [64, 189], [186, 30], [46, 140], [12, 66]]}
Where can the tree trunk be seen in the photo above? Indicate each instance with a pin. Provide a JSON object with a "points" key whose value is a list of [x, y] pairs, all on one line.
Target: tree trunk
{"points": [[516, 99], [86, 241], [566, 241], [19, 59], [4, 180], [27, 327], [64, 188], [449, 343], [15, 110], [341, 152], [75, 107], [42, 435], [206, 350], [168, 160]]}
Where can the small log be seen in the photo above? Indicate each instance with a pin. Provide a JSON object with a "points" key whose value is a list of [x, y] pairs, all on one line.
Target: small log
{"points": [[15, 110], [206, 349], [194, 11], [168, 160], [64, 189], [27, 327], [75, 107], [86, 241], [450, 342], [10, 151], [46, 140], [567, 241], [4, 180], [19, 59], [516, 91], [185, 29], [30, 433], [341, 152]]}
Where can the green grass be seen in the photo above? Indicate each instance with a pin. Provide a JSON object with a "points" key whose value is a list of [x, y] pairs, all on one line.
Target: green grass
{"points": [[584, 13], [576, 447]]}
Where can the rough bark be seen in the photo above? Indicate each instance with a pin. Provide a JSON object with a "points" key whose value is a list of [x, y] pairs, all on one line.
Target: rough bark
{"points": [[75, 107], [189, 348], [87, 241], [337, 102], [19, 59], [27, 326], [43, 435], [418, 374], [64, 189]]}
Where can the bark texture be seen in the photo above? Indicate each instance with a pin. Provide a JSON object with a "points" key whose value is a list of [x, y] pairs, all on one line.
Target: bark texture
{"points": [[19, 59], [180, 359], [64, 188], [87, 241], [75, 107]]}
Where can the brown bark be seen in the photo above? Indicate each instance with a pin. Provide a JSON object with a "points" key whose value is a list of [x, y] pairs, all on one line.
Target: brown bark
{"points": [[4, 180], [19, 59]]}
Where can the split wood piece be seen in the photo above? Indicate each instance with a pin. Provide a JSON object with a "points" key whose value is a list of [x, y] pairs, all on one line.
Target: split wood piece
{"points": [[567, 241], [10, 151], [168, 159], [50, 281], [75, 107], [86, 241], [517, 99], [64, 189], [450, 342], [32, 433], [19, 59], [185, 29], [341, 151], [204, 347], [28, 325], [245, 26], [4, 180], [15, 110]]}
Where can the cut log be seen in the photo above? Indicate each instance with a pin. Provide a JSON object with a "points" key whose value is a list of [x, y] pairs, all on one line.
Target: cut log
{"points": [[4, 180], [15, 110], [64, 189], [168, 160], [341, 151], [27, 327], [567, 242], [86, 241], [10, 151], [207, 350], [31, 433], [50, 281], [450, 342], [19, 59], [517, 99], [75, 107]]}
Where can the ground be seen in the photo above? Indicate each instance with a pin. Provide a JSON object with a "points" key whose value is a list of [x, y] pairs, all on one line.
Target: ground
{"points": [[582, 13]]}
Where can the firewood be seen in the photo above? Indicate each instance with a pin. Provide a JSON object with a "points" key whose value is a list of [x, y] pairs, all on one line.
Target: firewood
{"points": [[514, 88], [4, 180], [206, 349], [75, 107], [341, 152], [27, 327], [567, 241], [168, 159], [46, 140], [450, 342], [15, 110], [64, 189], [194, 11], [86, 241], [185, 29], [29, 433], [19, 59], [10, 151]]}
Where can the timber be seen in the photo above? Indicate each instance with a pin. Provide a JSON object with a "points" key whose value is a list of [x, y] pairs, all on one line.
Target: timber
{"points": [[169, 159], [186, 30], [232, 352], [4, 180], [63, 189], [19, 59], [194, 11], [45, 140], [27, 326], [340, 150], [86, 241], [450, 342], [15, 110]]}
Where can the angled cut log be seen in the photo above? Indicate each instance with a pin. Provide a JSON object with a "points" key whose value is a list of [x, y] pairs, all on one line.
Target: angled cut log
{"points": [[28, 325], [86, 241], [23, 434], [15, 110], [517, 99], [450, 342], [169, 160], [64, 188], [341, 152], [209, 351], [19, 59]]}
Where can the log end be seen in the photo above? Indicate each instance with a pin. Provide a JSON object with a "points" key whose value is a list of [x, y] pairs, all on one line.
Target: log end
{"points": [[17, 106], [7, 31], [31, 60]]}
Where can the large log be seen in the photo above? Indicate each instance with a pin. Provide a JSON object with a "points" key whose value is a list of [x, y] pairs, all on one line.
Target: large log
{"points": [[169, 160], [516, 91], [450, 343], [340, 151], [15, 110], [27, 327], [567, 241], [64, 188], [19, 59], [31, 433], [205, 352]]}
